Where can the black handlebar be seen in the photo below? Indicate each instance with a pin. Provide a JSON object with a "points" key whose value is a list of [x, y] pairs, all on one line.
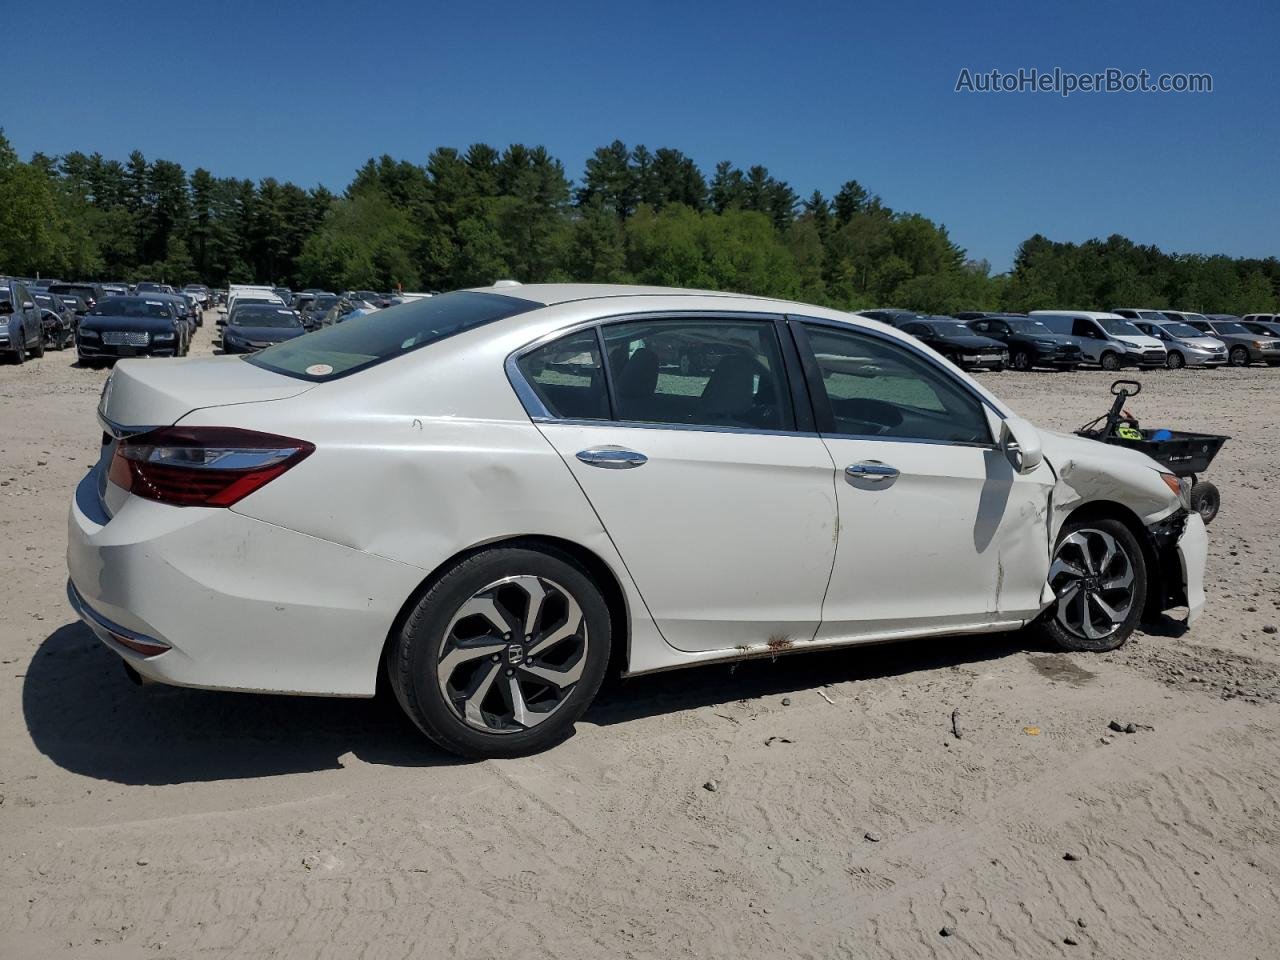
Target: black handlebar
{"points": [[1122, 384]]}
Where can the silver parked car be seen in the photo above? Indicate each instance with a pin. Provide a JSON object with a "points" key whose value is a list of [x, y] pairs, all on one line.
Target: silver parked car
{"points": [[1185, 346]]}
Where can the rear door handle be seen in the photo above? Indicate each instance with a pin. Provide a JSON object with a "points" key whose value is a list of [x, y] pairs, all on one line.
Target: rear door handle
{"points": [[871, 470], [612, 458]]}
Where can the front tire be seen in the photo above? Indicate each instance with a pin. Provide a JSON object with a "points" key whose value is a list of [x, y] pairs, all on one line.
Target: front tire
{"points": [[1238, 357], [1110, 361], [1175, 360], [1021, 360], [502, 654], [1099, 576]]}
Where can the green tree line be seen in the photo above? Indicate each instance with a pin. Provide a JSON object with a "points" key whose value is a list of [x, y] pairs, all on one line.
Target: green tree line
{"points": [[635, 216]]}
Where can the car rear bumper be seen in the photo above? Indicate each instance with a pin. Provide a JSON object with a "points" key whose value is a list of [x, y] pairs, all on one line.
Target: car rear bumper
{"points": [[241, 603]]}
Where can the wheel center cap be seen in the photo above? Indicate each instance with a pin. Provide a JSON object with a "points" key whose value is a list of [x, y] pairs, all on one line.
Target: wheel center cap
{"points": [[515, 654]]}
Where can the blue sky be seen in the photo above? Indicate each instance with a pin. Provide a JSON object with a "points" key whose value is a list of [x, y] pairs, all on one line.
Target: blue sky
{"points": [[818, 93]]}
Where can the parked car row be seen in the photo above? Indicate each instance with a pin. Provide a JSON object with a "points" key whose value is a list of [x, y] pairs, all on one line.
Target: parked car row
{"points": [[1067, 339]]}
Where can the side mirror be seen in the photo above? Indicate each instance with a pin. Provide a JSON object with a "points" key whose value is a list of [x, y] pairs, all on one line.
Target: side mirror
{"points": [[222, 310], [1020, 442]]}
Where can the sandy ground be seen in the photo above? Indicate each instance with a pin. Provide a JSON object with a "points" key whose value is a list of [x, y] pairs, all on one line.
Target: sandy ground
{"points": [[848, 820]]}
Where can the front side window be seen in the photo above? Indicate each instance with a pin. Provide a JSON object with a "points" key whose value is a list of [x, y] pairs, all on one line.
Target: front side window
{"points": [[568, 377], [882, 390], [699, 373]]}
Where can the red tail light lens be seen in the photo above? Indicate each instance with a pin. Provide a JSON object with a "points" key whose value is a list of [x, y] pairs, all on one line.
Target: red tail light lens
{"points": [[202, 466]]}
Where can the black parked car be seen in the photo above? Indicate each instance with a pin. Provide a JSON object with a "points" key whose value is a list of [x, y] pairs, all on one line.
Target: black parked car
{"points": [[130, 327], [959, 344], [90, 293], [1030, 343], [893, 317], [256, 325], [21, 329], [59, 318]]}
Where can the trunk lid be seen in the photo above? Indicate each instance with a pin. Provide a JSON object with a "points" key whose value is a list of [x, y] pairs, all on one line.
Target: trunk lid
{"points": [[155, 393]]}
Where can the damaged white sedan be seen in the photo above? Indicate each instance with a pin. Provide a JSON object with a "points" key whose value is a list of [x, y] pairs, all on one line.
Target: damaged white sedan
{"points": [[493, 494]]}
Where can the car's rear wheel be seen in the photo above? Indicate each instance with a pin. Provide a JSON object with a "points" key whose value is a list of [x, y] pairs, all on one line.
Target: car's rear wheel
{"points": [[1175, 360], [1110, 361], [1099, 576], [1238, 357], [503, 653]]}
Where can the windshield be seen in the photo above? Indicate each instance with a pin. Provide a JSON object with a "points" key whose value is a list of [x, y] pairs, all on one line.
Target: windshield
{"points": [[1181, 330], [132, 307], [950, 329], [1120, 328], [1031, 327], [366, 341], [266, 317], [324, 301], [1230, 326]]}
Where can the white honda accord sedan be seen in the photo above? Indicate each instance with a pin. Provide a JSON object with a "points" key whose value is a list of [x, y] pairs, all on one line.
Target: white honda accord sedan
{"points": [[494, 494]]}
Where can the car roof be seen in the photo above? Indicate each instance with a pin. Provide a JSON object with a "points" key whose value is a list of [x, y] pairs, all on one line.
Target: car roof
{"points": [[1090, 314], [548, 294]]}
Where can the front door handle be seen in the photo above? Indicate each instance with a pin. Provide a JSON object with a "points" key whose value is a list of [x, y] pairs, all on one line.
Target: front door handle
{"points": [[872, 470], [612, 458]]}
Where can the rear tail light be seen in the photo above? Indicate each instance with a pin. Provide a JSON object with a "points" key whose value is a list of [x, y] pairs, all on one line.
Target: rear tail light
{"points": [[202, 466]]}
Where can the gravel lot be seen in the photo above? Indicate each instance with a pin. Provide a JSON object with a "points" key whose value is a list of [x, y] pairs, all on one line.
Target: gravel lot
{"points": [[847, 819]]}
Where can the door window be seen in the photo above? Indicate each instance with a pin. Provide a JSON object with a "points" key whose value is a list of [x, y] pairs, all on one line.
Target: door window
{"points": [[698, 372], [568, 377], [876, 388]]}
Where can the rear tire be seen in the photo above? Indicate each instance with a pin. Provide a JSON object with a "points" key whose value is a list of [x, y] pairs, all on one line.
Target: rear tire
{"points": [[1110, 361], [1099, 575], [1238, 357], [1175, 360], [1205, 500], [479, 685]]}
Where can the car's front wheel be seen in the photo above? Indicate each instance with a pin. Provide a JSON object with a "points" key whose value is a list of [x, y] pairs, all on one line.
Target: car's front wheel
{"points": [[1099, 575], [1110, 361], [1238, 357], [1175, 360], [503, 653], [1021, 360]]}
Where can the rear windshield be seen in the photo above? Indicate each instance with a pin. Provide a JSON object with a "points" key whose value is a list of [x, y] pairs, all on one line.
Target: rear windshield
{"points": [[365, 341], [265, 317]]}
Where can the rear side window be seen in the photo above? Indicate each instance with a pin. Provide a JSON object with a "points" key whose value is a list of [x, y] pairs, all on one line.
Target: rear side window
{"points": [[363, 342], [568, 377], [699, 373]]}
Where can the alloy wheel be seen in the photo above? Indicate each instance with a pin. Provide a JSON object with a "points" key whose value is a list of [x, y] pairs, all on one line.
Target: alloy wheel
{"points": [[1092, 577], [1239, 357], [512, 654], [1175, 361]]}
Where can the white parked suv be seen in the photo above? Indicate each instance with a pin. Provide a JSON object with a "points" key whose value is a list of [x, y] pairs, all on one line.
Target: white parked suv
{"points": [[491, 495], [1107, 339]]}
